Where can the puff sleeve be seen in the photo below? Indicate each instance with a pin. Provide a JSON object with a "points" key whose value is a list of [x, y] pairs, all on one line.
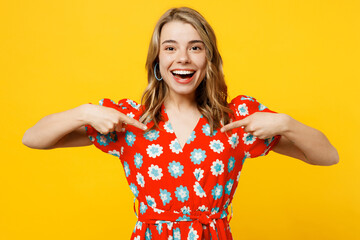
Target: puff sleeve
{"points": [[243, 106], [110, 143]]}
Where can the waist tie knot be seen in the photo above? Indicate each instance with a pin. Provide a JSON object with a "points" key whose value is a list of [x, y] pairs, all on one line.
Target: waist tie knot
{"points": [[204, 219], [215, 223]]}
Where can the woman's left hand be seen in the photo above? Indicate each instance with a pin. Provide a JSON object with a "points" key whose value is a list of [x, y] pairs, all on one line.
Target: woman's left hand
{"points": [[262, 125]]}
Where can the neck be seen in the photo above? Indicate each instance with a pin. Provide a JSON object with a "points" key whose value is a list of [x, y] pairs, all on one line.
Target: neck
{"points": [[176, 102]]}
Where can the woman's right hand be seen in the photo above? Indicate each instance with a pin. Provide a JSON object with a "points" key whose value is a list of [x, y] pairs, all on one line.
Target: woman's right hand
{"points": [[106, 119]]}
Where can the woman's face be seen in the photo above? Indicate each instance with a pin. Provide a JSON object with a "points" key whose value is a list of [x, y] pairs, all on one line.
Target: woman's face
{"points": [[182, 58]]}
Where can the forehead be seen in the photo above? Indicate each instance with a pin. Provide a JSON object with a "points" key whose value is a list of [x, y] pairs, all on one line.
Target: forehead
{"points": [[179, 31]]}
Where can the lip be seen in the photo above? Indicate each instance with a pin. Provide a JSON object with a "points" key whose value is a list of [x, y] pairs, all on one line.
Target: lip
{"points": [[183, 69], [183, 81]]}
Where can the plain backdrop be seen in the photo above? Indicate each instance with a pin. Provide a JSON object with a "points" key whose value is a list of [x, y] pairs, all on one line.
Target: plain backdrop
{"points": [[296, 57]]}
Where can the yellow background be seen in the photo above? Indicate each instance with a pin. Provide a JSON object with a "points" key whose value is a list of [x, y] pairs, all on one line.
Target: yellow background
{"points": [[296, 57]]}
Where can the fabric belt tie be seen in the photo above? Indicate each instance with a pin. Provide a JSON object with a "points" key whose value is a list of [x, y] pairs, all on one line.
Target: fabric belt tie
{"points": [[199, 220], [208, 221]]}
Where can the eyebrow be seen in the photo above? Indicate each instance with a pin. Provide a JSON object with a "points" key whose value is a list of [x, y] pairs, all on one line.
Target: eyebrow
{"points": [[192, 41]]}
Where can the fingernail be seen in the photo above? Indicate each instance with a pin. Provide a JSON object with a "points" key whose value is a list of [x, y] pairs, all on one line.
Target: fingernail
{"points": [[144, 127], [222, 130]]}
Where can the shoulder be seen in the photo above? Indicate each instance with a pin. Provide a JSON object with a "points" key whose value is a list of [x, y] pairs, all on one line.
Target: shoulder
{"points": [[129, 104], [124, 103], [246, 101], [244, 105]]}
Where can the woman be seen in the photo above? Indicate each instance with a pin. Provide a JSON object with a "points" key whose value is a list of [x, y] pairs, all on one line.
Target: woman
{"points": [[183, 149]]}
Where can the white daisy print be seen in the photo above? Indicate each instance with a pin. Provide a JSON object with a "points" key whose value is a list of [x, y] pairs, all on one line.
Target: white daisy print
{"points": [[199, 173], [198, 156], [159, 225], [143, 208], [150, 201], [182, 193], [248, 138], [199, 191], [217, 146], [134, 189], [228, 186], [175, 169], [215, 210], [185, 210], [130, 138], [175, 146], [217, 191], [242, 110], [234, 140], [122, 150], [165, 196], [133, 104], [231, 164], [176, 233], [127, 169], [168, 127], [261, 107], [152, 135], [217, 168], [155, 172], [138, 225], [158, 210], [114, 153], [193, 235], [226, 205], [140, 179], [154, 150], [138, 160], [206, 130], [238, 176], [203, 208], [212, 224], [148, 234]]}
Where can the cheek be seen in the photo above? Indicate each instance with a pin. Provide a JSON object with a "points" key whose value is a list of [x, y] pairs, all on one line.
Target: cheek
{"points": [[165, 61], [201, 62]]}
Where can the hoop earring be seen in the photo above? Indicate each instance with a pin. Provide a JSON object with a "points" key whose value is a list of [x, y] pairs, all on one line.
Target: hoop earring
{"points": [[159, 79]]}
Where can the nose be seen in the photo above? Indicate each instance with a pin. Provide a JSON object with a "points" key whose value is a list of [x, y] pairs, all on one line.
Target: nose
{"points": [[183, 56]]}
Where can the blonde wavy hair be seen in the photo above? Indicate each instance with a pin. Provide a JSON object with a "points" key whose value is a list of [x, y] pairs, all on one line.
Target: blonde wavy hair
{"points": [[211, 95]]}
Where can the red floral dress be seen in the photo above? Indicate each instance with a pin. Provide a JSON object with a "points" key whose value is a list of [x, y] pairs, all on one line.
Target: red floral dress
{"points": [[183, 193]]}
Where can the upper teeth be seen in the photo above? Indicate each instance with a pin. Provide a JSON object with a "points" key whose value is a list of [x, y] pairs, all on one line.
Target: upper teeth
{"points": [[183, 72]]}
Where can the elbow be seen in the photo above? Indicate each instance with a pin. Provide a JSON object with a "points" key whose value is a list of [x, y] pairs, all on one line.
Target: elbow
{"points": [[28, 141], [25, 140], [332, 159], [335, 157]]}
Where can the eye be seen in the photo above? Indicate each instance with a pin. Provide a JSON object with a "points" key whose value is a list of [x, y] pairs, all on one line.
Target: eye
{"points": [[196, 48], [169, 48]]}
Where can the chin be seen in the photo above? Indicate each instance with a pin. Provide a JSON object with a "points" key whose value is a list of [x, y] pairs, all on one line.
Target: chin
{"points": [[184, 91]]}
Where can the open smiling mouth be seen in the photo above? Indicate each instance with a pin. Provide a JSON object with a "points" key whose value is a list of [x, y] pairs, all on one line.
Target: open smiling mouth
{"points": [[183, 74]]}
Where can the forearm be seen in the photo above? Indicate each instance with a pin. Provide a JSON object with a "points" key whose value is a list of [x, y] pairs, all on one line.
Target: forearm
{"points": [[312, 142], [50, 129]]}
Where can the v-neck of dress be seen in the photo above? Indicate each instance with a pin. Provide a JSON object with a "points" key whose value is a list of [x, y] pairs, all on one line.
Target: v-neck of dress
{"points": [[167, 119]]}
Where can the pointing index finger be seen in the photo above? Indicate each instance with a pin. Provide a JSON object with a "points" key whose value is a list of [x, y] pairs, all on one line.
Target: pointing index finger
{"points": [[230, 126], [134, 122]]}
